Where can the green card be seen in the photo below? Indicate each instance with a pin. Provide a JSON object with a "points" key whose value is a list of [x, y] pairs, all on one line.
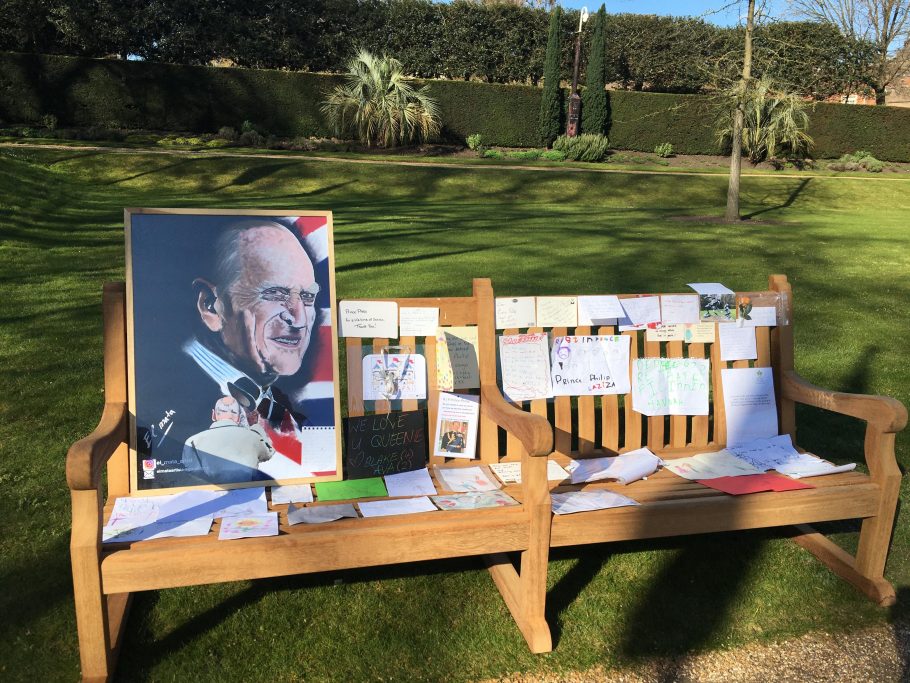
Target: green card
{"points": [[354, 488]]}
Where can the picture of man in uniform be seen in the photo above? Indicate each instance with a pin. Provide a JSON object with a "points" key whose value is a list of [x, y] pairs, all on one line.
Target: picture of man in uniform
{"points": [[230, 450], [247, 305]]}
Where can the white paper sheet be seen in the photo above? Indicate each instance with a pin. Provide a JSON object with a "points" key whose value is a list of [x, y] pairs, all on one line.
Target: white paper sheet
{"points": [[456, 425], [414, 483], [557, 311], [517, 312], [777, 453], [525, 364], [418, 321], [465, 479], [248, 526], [319, 514], [292, 494], [710, 466], [751, 412], [679, 308], [670, 386], [126, 532], [599, 310], [188, 505], [135, 511], [642, 310], [761, 316], [394, 376], [510, 472], [402, 506], [474, 501], [624, 468], [585, 501], [737, 343], [590, 365], [368, 319], [463, 345]]}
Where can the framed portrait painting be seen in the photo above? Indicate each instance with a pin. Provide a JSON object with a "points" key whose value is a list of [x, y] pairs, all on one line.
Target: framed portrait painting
{"points": [[234, 364]]}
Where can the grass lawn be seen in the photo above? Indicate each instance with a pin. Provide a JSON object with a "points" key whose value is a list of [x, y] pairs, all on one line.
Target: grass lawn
{"points": [[421, 232]]}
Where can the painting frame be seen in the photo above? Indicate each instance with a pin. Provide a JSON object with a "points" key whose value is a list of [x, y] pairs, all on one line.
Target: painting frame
{"points": [[301, 361]]}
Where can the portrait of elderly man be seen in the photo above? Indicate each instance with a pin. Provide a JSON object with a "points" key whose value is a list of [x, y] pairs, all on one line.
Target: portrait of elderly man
{"points": [[250, 313]]}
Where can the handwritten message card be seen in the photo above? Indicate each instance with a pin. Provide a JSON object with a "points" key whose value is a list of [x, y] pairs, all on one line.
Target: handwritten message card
{"points": [[670, 386], [520, 311], [418, 321], [385, 443], [737, 343], [664, 332], [445, 378], [557, 311], [599, 310], [642, 310], [456, 425], [679, 308], [525, 363], [700, 333], [462, 344], [749, 404], [588, 365], [368, 319]]}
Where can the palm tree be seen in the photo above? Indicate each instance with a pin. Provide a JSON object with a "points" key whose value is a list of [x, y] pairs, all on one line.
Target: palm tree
{"points": [[774, 121], [379, 105]]}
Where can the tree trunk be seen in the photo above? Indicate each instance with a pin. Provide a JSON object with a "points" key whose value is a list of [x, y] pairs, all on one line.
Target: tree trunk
{"points": [[879, 95], [736, 155]]}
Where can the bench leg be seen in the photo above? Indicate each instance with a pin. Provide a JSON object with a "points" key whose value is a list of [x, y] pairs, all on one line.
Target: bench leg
{"points": [[517, 591], [843, 564], [100, 619]]}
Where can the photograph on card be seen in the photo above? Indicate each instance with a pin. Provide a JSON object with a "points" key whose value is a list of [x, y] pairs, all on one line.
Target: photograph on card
{"points": [[234, 362]]}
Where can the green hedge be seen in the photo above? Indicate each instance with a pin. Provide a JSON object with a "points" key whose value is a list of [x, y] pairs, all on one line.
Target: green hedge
{"points": [[89, 92]]}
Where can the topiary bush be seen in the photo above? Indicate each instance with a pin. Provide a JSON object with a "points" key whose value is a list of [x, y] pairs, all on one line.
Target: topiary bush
{"points": [[588, 147]]}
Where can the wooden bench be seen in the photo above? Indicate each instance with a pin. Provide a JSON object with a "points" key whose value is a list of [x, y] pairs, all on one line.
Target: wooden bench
{"points": [[105, 576], [673, 506]]}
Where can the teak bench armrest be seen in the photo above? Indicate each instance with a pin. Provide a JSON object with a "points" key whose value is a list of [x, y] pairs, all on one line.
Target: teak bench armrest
{"points": [[533, 431], [887, 414], [87, 457]]}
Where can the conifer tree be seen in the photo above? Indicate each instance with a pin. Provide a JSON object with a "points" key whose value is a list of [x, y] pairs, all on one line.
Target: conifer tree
{"points": [[594, 98], [550, 123]]}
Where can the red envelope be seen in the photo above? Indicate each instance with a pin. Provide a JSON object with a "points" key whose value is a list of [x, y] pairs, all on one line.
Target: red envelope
{"points": [[754, 483]]}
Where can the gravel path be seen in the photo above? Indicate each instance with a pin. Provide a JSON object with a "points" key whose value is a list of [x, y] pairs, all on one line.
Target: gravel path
{"points": [[879, 654]]}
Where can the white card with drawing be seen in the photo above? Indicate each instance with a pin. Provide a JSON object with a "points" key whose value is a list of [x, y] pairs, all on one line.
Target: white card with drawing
{"points": [[670, 386], [590, 365]]}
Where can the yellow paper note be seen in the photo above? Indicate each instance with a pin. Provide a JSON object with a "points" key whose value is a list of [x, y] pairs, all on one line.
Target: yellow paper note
{"points": [[463, 352], [444, 378], [700, 333]]}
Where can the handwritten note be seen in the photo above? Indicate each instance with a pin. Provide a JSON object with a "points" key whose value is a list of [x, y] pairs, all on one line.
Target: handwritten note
{"points": [[456, 425], [737, 343], [679, 308], [385, 443], [749, 404], [557, 311], [517, 312], [525, 363], [462, 343], [624, 468], [710, 465], [445, 379], [589, 365], [418, 321], [368, 319], [642, 310], [599, 310], [700, 333], [510, 472], [587, 501], [670, 386], [664, 332]]}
